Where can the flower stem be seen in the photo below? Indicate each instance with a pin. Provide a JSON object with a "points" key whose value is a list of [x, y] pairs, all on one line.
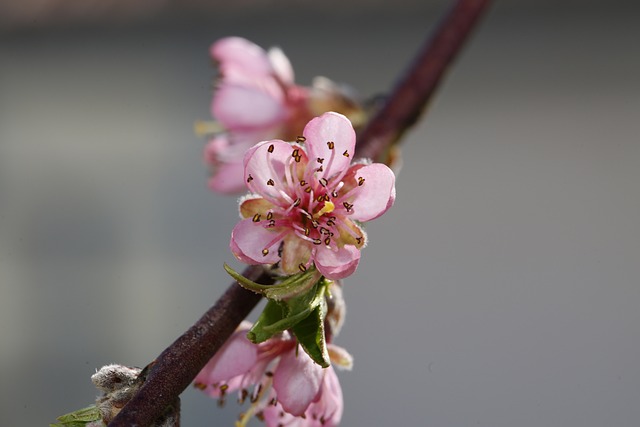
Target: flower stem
{"points": [[175, 368]]}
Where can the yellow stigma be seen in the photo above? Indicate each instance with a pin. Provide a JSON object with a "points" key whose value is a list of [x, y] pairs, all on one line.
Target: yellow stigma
{"points": [[327, 208]]}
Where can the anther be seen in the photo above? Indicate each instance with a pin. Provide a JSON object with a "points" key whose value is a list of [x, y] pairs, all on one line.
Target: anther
{"points": [[265, 252], [324, 182], [270, 182], [250, 178], [346, 153], [256, 218], [295, 153], [315, 223], [330, 144], [270, 215], [306, 232], [317, 241], [307, 190], [359, 240], [320, 160], [272, 223], [320, 198], [270, 149], [297, 202], [360, 180], [327, 241], [320, 169], [301, 139], [302, 268], [347, 206], [303, 183]]}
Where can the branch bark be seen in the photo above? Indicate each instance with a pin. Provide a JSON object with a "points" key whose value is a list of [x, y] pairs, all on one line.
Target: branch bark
{"points": [[178, 364]]}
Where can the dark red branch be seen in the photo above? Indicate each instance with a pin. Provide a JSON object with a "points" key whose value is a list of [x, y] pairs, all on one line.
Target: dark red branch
{"points": [[416, 88], [176, 367]]}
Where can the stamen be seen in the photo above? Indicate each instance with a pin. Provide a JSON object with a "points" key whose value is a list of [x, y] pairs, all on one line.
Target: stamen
{"points": [[330, 144]]}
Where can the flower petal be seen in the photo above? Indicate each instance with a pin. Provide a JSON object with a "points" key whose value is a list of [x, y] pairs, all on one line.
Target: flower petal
{"points": [[250, 241], [337, 263], [295, 252], [330, 130], [241, 108], [227, 178], [375, 195], [241, 60], [265, 167], [297, 381], [281, 65], [236, 357]]}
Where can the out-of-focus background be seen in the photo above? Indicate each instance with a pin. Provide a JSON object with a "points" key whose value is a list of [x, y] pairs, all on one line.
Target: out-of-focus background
{"points": [[502, 289]]}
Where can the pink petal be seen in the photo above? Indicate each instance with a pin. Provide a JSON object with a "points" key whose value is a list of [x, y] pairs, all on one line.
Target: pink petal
{"points": [[240, 108], [241, 60], [297, 381], [337, 263], [236, 357], [330, 127], [249, 239], [376, 194], [281, 65], [330, 405], [264, 168], [228, 178]]}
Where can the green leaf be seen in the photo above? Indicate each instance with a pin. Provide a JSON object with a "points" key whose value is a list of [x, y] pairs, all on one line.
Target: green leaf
{"points": [[310, 335], [79, 418], [272, 313], [290, 287]]}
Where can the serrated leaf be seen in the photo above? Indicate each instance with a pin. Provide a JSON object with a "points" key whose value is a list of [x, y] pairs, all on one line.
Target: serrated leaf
{"points": [[310, 335]]}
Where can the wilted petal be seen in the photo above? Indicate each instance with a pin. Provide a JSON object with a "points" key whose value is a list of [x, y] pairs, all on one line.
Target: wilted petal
{"points": [[252, 205], [337, 263], [375, 194], [330, 130], [240, 107], [254, 244], [295, 253], [297, 381]]}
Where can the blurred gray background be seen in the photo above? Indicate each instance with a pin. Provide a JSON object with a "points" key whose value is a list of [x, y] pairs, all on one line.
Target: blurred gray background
{"points": [[501, 290]]}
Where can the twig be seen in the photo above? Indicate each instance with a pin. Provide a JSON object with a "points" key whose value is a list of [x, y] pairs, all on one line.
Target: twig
{"points": [[416, 88], [176, 367]]}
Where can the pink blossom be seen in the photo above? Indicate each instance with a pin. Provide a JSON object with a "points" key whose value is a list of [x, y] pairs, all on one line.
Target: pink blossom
{"points": [[256, 99], [307, 197], [282, 382]]}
